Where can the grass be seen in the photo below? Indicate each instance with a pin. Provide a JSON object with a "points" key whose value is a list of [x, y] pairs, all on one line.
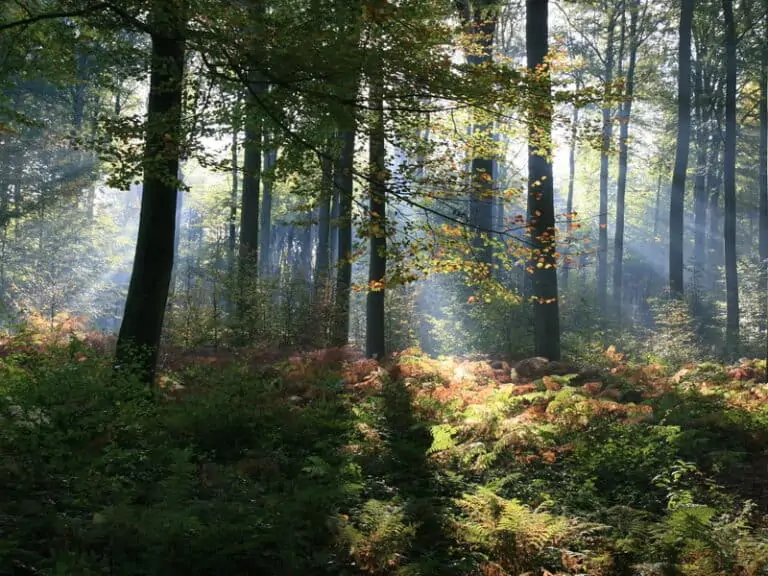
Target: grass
{"points": [[326, 463]]}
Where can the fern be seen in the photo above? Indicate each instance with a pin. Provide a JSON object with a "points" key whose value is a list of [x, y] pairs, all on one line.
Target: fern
{"points": [[442, 438], [510, 533]]}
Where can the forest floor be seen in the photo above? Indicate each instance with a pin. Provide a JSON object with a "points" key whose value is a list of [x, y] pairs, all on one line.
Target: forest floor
{"points": [[327, 463]]}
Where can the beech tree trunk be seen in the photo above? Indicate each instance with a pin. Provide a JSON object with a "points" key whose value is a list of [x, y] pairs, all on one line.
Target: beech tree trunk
{"points": [[139, 338], [625, 112], [484, 19], [375, 343], [677, 192], [729, 183], [270, 157], [700, 185], [344, 184], [324, 223], [607, 135], [541, 209], [763, 171], [571, 182], [233, 199]]}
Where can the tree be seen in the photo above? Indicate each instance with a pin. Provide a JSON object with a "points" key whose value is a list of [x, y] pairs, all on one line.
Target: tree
{"points": [[677, 192], [541, 210], [729, 182], [607, 135], [375, 345], [483, 15], [148, 290], [625, 112]]}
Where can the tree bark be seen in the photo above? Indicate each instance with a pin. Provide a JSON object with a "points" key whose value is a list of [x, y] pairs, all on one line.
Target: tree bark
{"points": [[677, 192], [763, 172], [233, 199], [344, 184], [375, 342], [139, 338], [607, 135], [729, 183], [625, 112], [700, 186], [571, 183], [484, 19], [541, 210], [270, 157], [324, 222]]}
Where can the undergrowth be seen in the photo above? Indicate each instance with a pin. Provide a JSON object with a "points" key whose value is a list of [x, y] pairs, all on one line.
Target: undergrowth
{"points": [[326, 463]]}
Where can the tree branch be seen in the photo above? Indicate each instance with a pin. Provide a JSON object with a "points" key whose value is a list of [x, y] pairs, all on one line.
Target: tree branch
{"points": [[55, 15]]}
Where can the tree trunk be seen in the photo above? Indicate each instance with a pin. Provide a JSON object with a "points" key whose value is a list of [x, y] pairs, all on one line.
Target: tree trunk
{"points": [[621, 191], [607, 134], [249, 214], [139, 339], [270, 157], [541, 210], [763, 170], [344, 185], [375, 346], [571, 181], [233, 198], [729, 182], [481, 193], [324, 222], [714, 231], [336, 201], [700, 186], [677, 192]]}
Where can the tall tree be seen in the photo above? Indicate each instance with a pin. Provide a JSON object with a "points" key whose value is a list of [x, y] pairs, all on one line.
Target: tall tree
{"points": [[607, 136], [344, 182], [153, 263], [677, 192], [625, 113], [729, 183], [702, 109], [375, 344], [541, 208], [270, 157], [484, 15], [763, 160]]}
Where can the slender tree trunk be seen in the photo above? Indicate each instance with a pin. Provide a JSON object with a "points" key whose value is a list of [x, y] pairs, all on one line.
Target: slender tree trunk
{"points": [[335, 212], [482, 167], [677, 192], [375, 344], [621, 190], [571, 182], [324, 222], [657, 211], [139, 339], [763, 171], [233, 199], [270, 157], [541, 209], [714, 233], [729, 181], [344, 184], [249, 214], [700, 184], [607, 134]]}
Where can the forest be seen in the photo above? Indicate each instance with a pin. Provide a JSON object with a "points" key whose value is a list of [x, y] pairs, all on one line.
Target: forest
{"points": [[384, 287]]}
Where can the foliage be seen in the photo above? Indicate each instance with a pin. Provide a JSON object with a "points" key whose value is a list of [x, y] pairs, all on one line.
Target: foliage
{"points": [[327, 463]]}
